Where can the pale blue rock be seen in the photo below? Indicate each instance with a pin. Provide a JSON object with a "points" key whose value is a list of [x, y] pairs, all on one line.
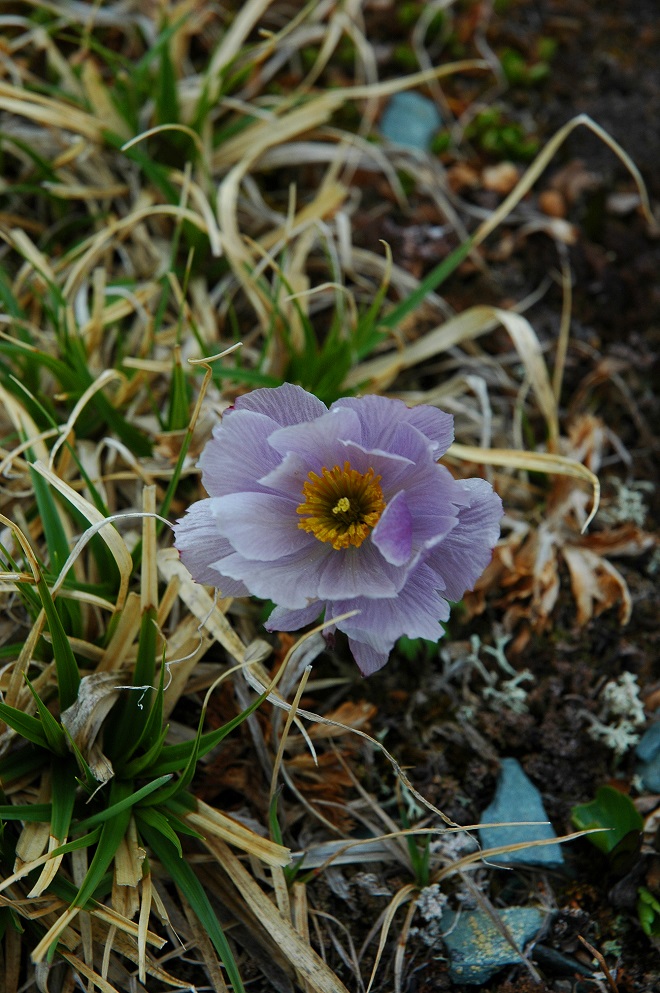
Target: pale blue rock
{"points": [[517, 799], [476, 947], [648, 752], [410, 120]]}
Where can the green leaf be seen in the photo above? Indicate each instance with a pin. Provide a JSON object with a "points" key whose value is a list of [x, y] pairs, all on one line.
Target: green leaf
{"points": [[179, 408], [66, 667], [63, 786], [184, 877], [175, 757], [111, 836], [157, 820], [52, 728], [26, 812], [129, 729], [430, 282], [25, 724], [648, 911], [127, 800], [616, 814]]}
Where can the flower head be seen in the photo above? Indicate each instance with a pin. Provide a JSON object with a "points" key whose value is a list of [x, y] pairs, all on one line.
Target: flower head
{"points": [[338, 510]]}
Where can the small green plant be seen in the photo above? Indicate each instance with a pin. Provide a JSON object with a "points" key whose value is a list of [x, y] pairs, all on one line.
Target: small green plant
{"points": [[499, 136], [616, 815], [519, 71]]}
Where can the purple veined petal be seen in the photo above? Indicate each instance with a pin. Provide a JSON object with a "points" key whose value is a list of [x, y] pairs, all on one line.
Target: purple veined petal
{"points": [[351, 572], [290, 582], [200, 545], [379, 417], [286, 404], [318, 442], [416, 611], [436, 425], [282, 619], [393, 533], [238, 454], [260, 526], [466, 551], [369, 659]]}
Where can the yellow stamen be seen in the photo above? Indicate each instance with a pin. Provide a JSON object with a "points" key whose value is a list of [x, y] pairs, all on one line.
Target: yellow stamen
{"points": [[341, 505]]}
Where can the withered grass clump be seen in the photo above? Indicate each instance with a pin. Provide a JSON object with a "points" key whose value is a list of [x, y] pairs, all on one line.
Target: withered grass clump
{"points": [[174, 183]]}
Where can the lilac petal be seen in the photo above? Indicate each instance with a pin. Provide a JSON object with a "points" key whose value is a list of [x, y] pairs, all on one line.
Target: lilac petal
{"points": [[282, 619], [287, 404], [261, 526], [393, 533], [415, 611], [290, 582], [466, 551], [351, 572], [238, 454], [436, 425], [379, 417], [319, 442], [200, 544], [368, 659]]}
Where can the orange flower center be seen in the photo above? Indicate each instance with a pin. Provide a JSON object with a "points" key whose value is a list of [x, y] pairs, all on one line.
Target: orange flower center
{"points": [[341, 506]]}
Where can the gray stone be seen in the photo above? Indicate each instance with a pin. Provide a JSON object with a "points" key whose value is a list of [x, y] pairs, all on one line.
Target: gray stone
{"points": [[476, 947], [649, 744], [648, 752], [649, 773], [517, 799], [410, 120]]}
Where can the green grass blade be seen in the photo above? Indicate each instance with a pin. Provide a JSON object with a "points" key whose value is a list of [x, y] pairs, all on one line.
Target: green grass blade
{"points": [[26, 812], [137, 766], [174, 757], [129, 729], [68, 676], [430, 282], [112, 833], [158, 821], [128, 800], [63, 787], [53, 730], [26, 725], [184, 877]]}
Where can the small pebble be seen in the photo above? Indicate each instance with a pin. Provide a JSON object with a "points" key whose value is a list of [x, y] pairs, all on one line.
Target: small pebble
{"points": [[552, 203], [500, 178], [517, 799], [477, 948], [410, 120]]}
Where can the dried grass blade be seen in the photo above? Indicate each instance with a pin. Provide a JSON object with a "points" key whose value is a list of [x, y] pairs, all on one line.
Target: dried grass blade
{"points": [[398, 900], [108, 532], [302, 957], [541, 163], [557, 465]]}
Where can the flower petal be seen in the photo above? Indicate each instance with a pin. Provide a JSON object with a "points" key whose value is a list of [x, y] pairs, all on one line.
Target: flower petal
{"points": [[261, 526], [282, 619], [351, 572], [466, 551], [319, 442], [380, 416], [290, 582], [201, 545], [415, 611], [393, 533], [286, 404], [368, 658], [238, 454]]}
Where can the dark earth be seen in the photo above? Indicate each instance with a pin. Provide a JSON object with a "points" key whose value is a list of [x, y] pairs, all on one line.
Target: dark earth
{"points": [[605, 64]]}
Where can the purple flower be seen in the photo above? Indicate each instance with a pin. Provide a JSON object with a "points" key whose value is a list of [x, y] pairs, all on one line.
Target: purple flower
{"points": [[338, 510]]}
